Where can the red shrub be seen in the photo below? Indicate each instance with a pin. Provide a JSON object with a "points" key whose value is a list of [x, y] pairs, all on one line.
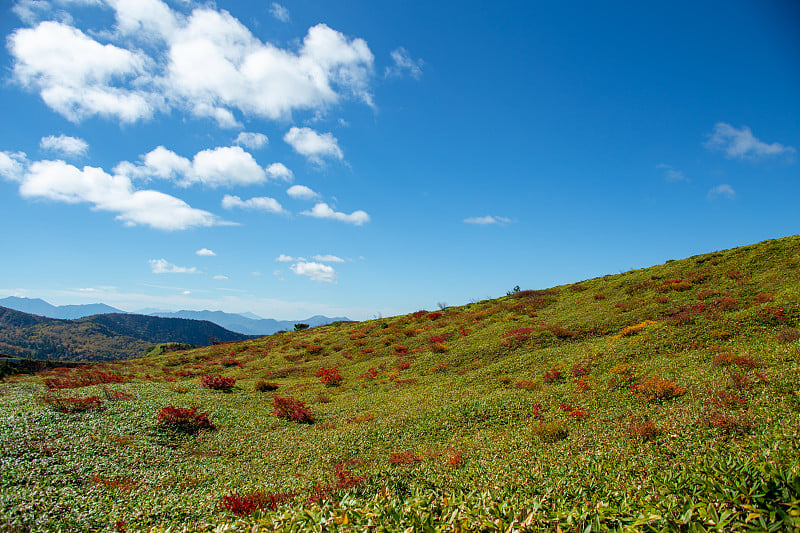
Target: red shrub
{"points": [[573, 411], [245, 504], [292, 409], [122, 483], [579, 371], [72, 404], [404, 458], [599, 296], [551, 376], [369, 374], [662, 299], [329, 377], [434, 315], [346, 479], [761, 298], [455, 461], [183, 420], [265, 386], [538, 411], [583, 385], [402, 365], [646, 430], [727, 400], [420, 314], [435, 339], [82, 378], [399, 349], [217, 382]]}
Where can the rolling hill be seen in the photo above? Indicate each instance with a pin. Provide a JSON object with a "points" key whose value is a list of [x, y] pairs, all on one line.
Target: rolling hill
{"points": [[103, 337], [661, 399]]}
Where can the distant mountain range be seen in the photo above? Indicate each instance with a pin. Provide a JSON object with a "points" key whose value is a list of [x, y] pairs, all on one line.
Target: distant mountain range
{"points": [[103, 337], [246, 323]]}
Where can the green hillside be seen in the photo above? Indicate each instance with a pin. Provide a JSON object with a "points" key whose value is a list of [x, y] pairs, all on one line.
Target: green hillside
{"points": [[661, 399], [105, 337]]}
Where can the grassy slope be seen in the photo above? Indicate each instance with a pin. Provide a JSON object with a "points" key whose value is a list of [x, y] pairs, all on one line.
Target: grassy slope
{"points": [[711, 465]]}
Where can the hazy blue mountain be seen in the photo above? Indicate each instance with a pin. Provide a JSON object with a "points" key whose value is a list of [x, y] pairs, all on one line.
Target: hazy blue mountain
{"points": [[246, 325], [37, 306]]}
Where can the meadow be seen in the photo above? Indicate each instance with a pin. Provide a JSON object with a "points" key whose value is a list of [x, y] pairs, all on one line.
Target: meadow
{"points": [[661, 399]]}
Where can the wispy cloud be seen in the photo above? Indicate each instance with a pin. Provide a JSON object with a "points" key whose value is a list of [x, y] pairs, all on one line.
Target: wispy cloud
{"points": [[327, 258], [742, 144], [721, 191], [403, 64], [260, 203], [205, 252], [162, 266], [671, 174], [487, 220], [279, 12]]}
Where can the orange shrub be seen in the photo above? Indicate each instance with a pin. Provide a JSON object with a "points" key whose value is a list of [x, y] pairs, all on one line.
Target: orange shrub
{"points": [[404, 458], [528, 384], [645, 430], [652, 389]]}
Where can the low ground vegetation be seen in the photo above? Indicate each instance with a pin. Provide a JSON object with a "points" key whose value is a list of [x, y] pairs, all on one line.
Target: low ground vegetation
{"points": [[668, 403]]}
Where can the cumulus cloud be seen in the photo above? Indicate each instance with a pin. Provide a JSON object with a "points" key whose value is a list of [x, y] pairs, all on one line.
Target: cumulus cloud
{"points": [[323, 210], [61, 182], [315, 271], [488, 219], [283, 258], [671, 174], [721, 191], [75, 74], [162, 266], [742, 144], [403, 64], [254, 141], [314, 146], [301, 192], [64, 145], [279, 171], [279, 12], [261, 203], [205, 63], [328, 259], [224, 166], [205, 252]]}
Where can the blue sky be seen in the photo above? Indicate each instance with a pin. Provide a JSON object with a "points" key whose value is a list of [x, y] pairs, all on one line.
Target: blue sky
{"points": [[376, 158]]}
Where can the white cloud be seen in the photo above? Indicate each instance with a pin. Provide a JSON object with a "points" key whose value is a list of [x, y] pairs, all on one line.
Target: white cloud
{"points": [[315, 271], [671, 174], [328, 259], [283, 258], [261, 203], [254, 141], [74, 73], [742, 144], [323, 210], [404, 64], [721, 191], [220, 277], [279, 12], [162, 266], [217, 167], [206, 63], [488, 219], [12, 165], [313, 145], [205, 252], [61, 182], [301, 192], [279, 171], [64, 145]]}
